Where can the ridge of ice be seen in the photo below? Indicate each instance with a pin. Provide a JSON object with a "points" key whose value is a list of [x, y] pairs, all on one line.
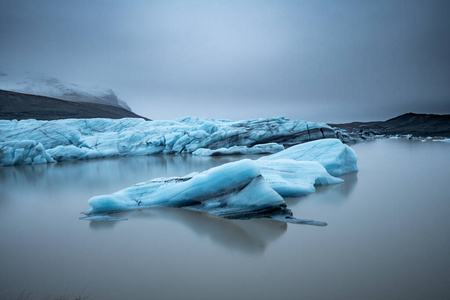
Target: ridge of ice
{"points": [[235, 150]]}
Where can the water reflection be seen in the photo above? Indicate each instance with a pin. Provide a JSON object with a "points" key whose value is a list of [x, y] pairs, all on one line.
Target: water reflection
{"points": [[107, 172], [100, 176], [330, 195], [246, 236], [63, 182], [339, 192], [171, 253]]}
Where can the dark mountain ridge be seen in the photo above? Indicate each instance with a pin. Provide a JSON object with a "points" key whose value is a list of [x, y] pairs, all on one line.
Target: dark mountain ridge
{"points": [[418, 125], [25, 106]]}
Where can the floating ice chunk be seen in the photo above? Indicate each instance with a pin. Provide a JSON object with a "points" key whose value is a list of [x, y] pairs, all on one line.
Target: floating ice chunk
{"points": [[23, 152], [291, 178], [442, 140], [233, 190], [236, 150], [102, 218], [337, 158]]}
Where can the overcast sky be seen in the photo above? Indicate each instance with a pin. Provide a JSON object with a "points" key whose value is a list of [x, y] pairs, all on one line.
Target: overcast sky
{"points": [[318, 60]]}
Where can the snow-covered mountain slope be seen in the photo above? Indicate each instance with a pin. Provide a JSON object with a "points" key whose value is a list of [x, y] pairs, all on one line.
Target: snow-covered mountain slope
{"points": [[44, 85], [72, 139], [18, 106]]}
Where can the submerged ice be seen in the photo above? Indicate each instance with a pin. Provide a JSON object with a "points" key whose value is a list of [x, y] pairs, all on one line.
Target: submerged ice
{"points": [[73, 139]]}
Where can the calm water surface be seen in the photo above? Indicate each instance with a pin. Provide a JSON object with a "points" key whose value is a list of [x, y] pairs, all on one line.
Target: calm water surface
{"points": [[387, 238]]}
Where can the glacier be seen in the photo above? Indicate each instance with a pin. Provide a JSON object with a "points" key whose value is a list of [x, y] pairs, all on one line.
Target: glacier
{"points": [[73, 139], [234, 190], [44, 85], [337, 158]]}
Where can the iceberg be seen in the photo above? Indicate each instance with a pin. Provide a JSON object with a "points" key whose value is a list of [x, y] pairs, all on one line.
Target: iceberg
{"points": [[235, 190], [240, 190], [71, 139], [240, 150], [337, 158]]}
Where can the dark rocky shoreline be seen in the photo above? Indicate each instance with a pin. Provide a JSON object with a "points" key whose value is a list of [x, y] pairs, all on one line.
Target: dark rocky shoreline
{"points": [[409, 125]]}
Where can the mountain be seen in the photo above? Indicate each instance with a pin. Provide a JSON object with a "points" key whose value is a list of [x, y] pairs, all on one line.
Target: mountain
{"points": [[44, 85], [23, 106], [418, 125]]}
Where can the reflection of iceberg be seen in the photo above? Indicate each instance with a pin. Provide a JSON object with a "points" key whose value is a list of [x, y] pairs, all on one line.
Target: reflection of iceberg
{"points": [[248, 236], [74, 139], [338, 193], [234, 190], [330, 195]]}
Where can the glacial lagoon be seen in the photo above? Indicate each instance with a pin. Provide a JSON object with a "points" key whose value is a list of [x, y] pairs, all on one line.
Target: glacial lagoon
{"points": [[387, 234]]}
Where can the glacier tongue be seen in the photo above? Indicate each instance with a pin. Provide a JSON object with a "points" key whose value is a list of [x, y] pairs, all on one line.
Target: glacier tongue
{"points": [[71, 139], [337, 158], [234, 190]]}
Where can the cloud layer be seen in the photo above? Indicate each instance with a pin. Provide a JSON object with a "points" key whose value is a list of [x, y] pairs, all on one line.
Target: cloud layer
{"points": [[328, 60]]}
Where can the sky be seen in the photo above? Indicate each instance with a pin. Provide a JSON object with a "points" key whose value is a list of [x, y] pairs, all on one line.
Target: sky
{"points": [[319, 60]]}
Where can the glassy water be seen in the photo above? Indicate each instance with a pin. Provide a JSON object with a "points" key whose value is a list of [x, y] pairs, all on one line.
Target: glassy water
{"points": [[387, 238]]}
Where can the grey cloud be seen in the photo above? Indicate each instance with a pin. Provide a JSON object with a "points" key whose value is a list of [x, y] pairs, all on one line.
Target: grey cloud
{"points": [[320, 60]]}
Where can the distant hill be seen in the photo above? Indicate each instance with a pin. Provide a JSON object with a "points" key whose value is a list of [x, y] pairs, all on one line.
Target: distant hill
{"points": [[419, 125], [47, 86], [24, 106]]}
